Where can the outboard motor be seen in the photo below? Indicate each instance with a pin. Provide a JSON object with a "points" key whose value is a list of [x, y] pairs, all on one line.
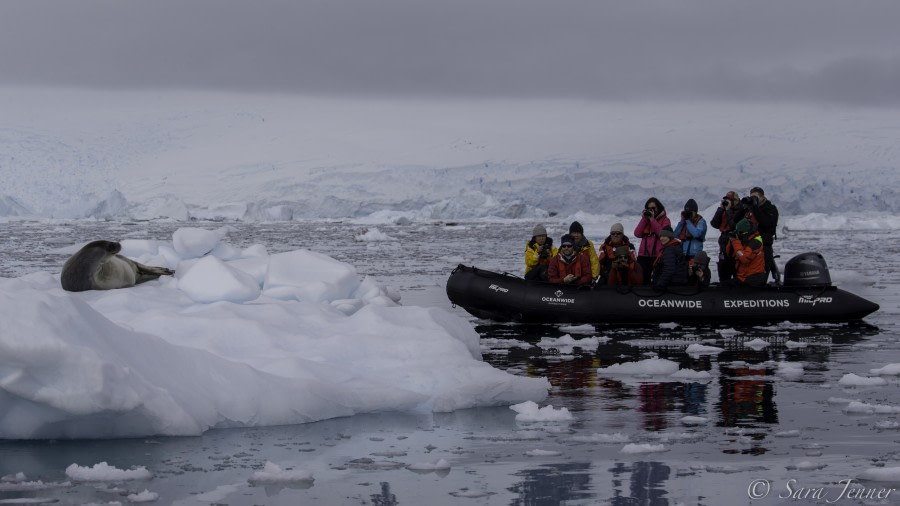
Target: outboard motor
{"points": [[807, 269]]}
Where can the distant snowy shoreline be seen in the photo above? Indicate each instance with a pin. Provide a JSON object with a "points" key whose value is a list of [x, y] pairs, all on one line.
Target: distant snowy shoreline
{"points": [[182, 155]]}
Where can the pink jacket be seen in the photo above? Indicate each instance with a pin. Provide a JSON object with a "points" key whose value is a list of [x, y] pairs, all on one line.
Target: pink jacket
{"points": [[648, 230]]}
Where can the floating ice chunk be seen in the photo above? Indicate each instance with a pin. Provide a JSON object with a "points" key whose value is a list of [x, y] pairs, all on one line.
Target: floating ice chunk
{"points": [[105, 472], [578, 329], [806, 465], [145, 496], [669, 325], [757, 344], [650, 366], [888, 370], [618, 437], [691, 421], [701, 349], [840, 400], [471, 494], [374, 235], [790, 371], [635, 449], [542, 453], [691, 374], [788, 433], [437, 465], [667, 437], [852, 380], [196, 242], [211, 280], [795, 344], [273, 473], [728, 332], [529, 411], [887, 425], [566, 344], [857, 407], [13, 478], [890, 474]]}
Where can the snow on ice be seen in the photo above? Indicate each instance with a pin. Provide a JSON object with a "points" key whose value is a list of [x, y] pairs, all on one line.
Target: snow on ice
{"points": [[235, 338]]}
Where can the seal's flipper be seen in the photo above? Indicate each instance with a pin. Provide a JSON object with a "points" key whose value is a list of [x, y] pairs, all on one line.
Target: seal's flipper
{"points": [[149, 273]]}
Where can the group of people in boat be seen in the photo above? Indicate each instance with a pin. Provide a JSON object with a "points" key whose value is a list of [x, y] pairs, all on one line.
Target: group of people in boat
{"points": [[665, 256]]}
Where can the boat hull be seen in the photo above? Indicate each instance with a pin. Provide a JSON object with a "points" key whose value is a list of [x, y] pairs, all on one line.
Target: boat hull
{"points": [[503, 297]]}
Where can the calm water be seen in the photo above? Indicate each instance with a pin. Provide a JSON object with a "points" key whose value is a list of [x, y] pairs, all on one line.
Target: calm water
{"points": [[762, 424]]}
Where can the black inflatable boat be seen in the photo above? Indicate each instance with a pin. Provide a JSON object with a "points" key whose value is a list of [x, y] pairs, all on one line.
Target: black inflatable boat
{"points": [[806, 295]]}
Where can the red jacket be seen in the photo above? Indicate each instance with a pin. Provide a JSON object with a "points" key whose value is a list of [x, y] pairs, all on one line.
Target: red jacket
{"points": [[580, 266]]}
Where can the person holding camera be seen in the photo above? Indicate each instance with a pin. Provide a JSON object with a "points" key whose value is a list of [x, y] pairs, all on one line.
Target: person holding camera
{"points": [[618, 264], [653, 219], [764, 215], [749, 255], [691, 229], [729, 212], [568, 266], [538, 253], [670, 267], [699, 274]]}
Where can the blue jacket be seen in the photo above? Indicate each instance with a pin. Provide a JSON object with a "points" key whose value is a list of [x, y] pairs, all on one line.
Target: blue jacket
{"points": [[691, 234]]}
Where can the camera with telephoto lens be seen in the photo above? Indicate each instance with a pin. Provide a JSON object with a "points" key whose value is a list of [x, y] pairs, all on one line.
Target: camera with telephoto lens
{"points": [[687, 215], [750, 201], [726, 202], [648, 213]]}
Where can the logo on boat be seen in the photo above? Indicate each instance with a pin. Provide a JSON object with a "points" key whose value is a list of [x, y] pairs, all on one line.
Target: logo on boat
{"points": [[498, 288], [809, 299], [558, 299]]}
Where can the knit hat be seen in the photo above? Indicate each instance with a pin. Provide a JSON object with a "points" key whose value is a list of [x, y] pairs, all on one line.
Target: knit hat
{"points": [[567, 239], [691, 205], [617, 227], [576, 227], [757, 189], [539, 230], [701, 259], [743, 227], [667, 232], [732, 195]]}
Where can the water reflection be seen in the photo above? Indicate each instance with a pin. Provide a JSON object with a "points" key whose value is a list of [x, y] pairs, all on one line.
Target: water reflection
{"points": [[745, 373], [553, 484], [645, 484]]}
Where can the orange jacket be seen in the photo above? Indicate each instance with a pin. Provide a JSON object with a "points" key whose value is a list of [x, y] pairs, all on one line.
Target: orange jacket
{"points": [[580, 266], [748, 254]]}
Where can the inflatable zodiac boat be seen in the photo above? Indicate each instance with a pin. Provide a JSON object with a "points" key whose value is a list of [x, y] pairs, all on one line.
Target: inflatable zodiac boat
{"points": [[806, 295]]}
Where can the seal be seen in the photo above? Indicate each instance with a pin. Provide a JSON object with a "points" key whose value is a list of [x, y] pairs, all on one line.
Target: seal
{"points": [[98, 266]]}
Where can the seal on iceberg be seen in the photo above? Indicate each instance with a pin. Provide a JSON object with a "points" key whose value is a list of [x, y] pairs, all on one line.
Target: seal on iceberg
{"points": [[98, 266]]}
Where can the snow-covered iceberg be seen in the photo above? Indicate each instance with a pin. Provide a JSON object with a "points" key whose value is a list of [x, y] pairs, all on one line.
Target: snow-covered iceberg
{"points": [[236, 338]]}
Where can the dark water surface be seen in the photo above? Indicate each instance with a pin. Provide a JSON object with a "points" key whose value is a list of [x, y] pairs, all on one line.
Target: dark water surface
{"points": [[762, 421]]}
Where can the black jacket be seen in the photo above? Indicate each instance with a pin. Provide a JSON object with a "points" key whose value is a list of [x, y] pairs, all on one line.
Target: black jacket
{"points": [[671, 269], [766, 215]]}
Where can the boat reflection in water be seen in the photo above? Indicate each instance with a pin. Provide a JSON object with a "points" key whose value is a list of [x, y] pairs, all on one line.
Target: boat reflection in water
{"points": [[738, 398]]}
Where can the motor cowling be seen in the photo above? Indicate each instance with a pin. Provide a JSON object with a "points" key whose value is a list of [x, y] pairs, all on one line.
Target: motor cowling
{"points": [[807, 269]]}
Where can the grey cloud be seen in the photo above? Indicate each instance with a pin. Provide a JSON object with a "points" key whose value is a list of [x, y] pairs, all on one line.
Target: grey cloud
{"points": [[826, 50]]}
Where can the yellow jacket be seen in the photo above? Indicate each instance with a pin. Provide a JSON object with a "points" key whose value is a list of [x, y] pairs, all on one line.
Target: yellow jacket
{"points": [[533, 256], [595, 262]]}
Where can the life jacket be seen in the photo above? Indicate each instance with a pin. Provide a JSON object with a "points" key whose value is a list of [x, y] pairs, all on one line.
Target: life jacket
{"points": [[749, 256], [684, 234]]}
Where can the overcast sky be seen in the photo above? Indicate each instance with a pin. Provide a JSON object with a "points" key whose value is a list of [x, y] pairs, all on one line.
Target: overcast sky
{"points": [[844, 51]]}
